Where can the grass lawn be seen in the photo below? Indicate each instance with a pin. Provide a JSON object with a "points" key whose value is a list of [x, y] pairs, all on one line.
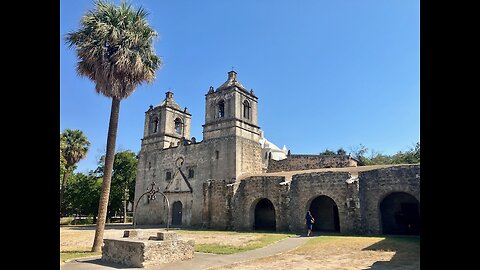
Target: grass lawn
{"points": [[263, 239], [70, 255]]}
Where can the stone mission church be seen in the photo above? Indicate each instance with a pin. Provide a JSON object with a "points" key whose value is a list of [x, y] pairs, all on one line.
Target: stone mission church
{"points": [[236, 179]]}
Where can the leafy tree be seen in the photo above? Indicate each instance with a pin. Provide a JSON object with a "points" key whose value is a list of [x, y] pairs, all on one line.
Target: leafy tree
{"points": [[124, 174], [379, 159], [123, 182], [115, 47], [410, 156], [81, 197], [63, 162], [416, 153], [359, 152], [327, 152], [341, 151], [74, 147]]}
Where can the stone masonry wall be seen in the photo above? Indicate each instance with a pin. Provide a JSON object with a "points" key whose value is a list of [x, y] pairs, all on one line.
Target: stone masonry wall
{"points": [[142, 252], [304, 188], [250, 191], [307, 162], [218, 198], [154, 164], [352, 206], [212, 159], [375, 185], [248, 156]]}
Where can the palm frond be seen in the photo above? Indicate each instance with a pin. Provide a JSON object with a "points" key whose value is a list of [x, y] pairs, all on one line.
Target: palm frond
{"points": [[115, 48]]}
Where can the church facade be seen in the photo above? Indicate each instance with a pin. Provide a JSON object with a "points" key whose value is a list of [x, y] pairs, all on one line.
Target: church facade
{"points": [[236, 179]]}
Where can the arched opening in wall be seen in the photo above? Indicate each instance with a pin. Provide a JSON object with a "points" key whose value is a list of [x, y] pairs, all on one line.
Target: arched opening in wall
{"points": [[264, 216], [155, 125], [177, 213], [221, 109], [400, 214], [178, 126], [325, 211], [246, 109]]}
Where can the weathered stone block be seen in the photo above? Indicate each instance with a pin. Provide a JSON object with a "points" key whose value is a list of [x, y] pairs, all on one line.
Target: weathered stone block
{"points": [[141, 252], [167, 236], [132, 233]]}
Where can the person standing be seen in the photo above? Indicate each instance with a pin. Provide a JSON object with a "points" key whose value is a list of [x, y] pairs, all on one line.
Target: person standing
{"points": [[309, 220]]}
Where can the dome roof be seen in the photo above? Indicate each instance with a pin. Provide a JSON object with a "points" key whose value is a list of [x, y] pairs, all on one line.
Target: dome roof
{"points": [[267, 146]]}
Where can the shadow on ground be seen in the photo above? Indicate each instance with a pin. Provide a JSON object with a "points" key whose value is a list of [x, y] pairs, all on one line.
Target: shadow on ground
{"points": [[407, 253], [99, 262]]}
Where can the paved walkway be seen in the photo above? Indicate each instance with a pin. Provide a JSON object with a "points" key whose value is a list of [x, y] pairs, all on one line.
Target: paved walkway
{"points": [[199, 261]]}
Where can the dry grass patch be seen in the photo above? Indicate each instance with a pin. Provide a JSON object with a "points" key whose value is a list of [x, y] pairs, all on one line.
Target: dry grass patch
{"points": [[344, 253], [76, 241]]}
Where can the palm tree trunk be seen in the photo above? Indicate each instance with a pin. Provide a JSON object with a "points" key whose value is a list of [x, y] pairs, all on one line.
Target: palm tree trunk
{"points": [[107, 175], [125, 207], [62, 190]]}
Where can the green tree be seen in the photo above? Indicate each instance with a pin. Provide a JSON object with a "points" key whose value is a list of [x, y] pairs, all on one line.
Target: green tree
{"points": [[411, 156], [115, 47], [416, 153], [327, 152], [359, 152], [82, 196], [122, 188], [63, 162], [379, 159], [124, 174], [341, 151], [74, 147]]}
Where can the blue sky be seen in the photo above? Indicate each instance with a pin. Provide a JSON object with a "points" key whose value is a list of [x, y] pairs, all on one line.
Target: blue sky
{"points": [[328, 74]]}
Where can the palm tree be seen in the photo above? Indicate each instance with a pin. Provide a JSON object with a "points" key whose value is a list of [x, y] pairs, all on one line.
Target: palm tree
{"points": [[115, 49], [73, 148]]}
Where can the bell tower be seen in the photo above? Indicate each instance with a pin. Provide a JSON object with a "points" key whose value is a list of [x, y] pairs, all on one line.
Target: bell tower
{"points": [[231, 110], [166, 123], [231, 128]]}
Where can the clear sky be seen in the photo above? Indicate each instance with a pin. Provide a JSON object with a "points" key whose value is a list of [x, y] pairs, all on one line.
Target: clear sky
{"points": [[328, 74]]}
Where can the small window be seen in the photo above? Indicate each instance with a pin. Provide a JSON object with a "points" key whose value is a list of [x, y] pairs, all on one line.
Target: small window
{"points": [[351, 204], [178, 126], [246, 109], [216, 154], [221, 109], [266, 155], [168, 176], [155, 125], [191, 173]]}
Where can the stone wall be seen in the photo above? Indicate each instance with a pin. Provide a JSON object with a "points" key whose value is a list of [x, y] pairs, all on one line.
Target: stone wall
{"points": [[248, 156], [154, 164], [250, 191], [307, 162], [375, 185], [304, 188], [142, 252], [352, 206], [217, 212], [219, 159]]}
